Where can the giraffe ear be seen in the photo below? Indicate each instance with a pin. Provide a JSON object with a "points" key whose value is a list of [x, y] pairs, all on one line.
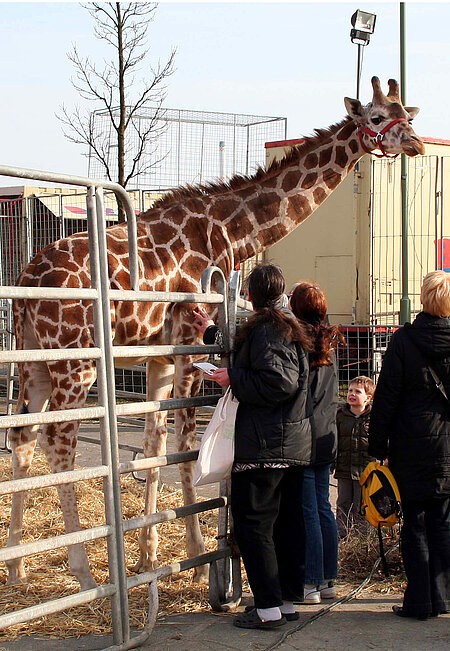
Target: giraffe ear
{"points": [[353, 107], [412, 111]]}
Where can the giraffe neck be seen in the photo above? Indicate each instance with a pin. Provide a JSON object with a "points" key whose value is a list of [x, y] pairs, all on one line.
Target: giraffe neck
{"points": [[290, 191]]}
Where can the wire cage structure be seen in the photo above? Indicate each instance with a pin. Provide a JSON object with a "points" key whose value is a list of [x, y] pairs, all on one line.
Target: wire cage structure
{"points": [[190, 147], [428, 230]]}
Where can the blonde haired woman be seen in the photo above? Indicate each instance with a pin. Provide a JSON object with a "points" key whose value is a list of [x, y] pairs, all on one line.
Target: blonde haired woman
{"points": [[410, 425]]}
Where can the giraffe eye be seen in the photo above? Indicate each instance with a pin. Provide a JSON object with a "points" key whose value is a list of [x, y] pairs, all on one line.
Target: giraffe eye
{"points": [[377, 120]]}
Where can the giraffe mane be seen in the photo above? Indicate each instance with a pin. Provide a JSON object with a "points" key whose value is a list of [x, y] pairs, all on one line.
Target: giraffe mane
{"points": [[241, 181]]}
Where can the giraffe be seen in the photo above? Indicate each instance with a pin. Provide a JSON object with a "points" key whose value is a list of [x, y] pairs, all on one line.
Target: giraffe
{"points": [[219, 224]]}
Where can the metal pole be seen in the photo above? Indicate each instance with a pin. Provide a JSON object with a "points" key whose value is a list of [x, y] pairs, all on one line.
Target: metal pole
{"points": [[358, 71], [405, 302]]}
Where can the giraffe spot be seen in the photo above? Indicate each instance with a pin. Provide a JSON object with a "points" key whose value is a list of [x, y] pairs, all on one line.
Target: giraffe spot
{"points": [[131, 329], [346, 131], [291, 180], [120, 333], [64, 466], [265, 208], [162, 232], [176, 214], [341, 157], [298, 208], [240, 226], [332, 180], [325, 156], [74, 443], [319, 195], [353, 145], [50, 309], [249, 250], [309, 181], [244, 193], [126, 309], [195, 205], [121, 279], [60, 397], [311, 161], [226, 206], [271, 182]]}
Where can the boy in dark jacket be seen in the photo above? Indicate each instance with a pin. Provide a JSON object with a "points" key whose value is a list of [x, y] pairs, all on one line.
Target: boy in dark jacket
{"points": [[352, 422]]}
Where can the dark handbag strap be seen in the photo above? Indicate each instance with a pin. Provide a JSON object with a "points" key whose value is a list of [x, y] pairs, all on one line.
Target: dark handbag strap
{"points": [[434, 375]]}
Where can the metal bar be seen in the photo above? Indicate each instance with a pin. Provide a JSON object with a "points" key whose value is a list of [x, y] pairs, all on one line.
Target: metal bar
{"points": [[40, 418], [108, 433], [163, 405], [164, 297], [173, 514], [55, 542], [53, 479], [157, 462], [55, 606], [162, 351], [49, 355], [175, 568], [49, 293]]}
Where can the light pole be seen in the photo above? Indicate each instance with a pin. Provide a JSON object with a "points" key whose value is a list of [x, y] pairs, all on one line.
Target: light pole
{"points": [[405, 301], [363, 25]]}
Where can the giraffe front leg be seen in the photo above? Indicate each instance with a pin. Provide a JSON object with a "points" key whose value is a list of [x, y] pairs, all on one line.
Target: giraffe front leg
{"points": [[159, 387], [194, 539], [187, 383]]}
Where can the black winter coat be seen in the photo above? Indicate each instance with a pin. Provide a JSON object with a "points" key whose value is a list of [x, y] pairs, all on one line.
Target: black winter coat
{"points": [[323, 382], [353, 443], [410, 421], [270, 379]]}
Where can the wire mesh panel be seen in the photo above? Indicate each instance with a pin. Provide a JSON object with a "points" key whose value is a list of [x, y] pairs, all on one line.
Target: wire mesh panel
{"points": [[363, 354], [428, 230], [13, 239], [191, 146]]}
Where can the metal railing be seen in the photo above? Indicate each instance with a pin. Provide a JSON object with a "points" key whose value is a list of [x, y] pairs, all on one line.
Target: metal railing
{"points": [[108, 411]]}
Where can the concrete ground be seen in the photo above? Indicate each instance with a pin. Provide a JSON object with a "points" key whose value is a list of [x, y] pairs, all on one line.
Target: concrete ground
{"points": [[364, 623]]}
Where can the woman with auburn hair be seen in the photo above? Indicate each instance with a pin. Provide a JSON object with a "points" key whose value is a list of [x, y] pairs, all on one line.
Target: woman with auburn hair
{"points": [[309, 304], [410, 426]]}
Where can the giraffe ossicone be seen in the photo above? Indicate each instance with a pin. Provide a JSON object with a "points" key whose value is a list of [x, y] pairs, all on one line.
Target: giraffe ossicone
{"points": [[219, 224]]}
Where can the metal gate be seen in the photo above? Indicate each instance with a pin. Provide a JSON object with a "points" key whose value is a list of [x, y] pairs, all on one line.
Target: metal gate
{"points": [[225, 587]]}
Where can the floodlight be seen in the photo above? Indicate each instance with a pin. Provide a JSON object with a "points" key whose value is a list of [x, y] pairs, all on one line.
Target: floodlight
{"points": [[363, 26]]}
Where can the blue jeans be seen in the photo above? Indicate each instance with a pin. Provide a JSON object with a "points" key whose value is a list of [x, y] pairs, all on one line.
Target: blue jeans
{"points": [[321, 562]]}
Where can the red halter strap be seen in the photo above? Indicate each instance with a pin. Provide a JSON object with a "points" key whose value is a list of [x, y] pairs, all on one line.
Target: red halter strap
{"points": [[378, 135]]}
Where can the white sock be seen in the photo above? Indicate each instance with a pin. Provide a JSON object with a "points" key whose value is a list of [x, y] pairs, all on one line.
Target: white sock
{"points": [[269, 614], [287, 608]]}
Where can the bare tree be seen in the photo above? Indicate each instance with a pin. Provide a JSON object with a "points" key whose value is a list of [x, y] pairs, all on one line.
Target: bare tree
{"points": [[114, 88]]}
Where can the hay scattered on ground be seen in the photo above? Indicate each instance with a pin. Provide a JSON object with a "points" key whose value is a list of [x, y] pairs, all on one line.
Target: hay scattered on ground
{"points": [[49, 577], [48, 574]]}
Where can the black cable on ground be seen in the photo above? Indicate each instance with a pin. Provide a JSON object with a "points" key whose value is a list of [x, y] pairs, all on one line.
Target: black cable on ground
{"points": [[326, 610]]}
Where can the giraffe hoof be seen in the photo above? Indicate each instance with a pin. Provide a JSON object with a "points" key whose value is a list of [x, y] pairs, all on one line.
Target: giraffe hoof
{"points": [[144, 566], [201, 575], [16, 580], [87, 583]]}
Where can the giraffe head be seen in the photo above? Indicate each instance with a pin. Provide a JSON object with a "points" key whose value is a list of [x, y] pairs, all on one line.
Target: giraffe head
{"points": [[385, 123]]}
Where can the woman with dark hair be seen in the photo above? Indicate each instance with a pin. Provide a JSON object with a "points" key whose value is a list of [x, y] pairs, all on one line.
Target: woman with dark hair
{"points": [[273, 442], [308, 303]]}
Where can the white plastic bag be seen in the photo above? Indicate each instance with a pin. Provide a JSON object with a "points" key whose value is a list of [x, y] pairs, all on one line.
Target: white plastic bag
{"points": [[216, 454]]}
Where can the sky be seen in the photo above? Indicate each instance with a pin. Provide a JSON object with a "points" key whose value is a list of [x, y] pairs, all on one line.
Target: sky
{"points": [[288, 59]]}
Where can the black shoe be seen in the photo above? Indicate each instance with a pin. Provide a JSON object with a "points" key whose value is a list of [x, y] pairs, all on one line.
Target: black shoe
{"points": [[290, 617], [436, 613], [251, 619], [400, 612]]}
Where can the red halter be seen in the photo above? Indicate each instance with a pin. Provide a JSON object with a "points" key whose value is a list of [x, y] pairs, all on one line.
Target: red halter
{"points": [[378, 135]]}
